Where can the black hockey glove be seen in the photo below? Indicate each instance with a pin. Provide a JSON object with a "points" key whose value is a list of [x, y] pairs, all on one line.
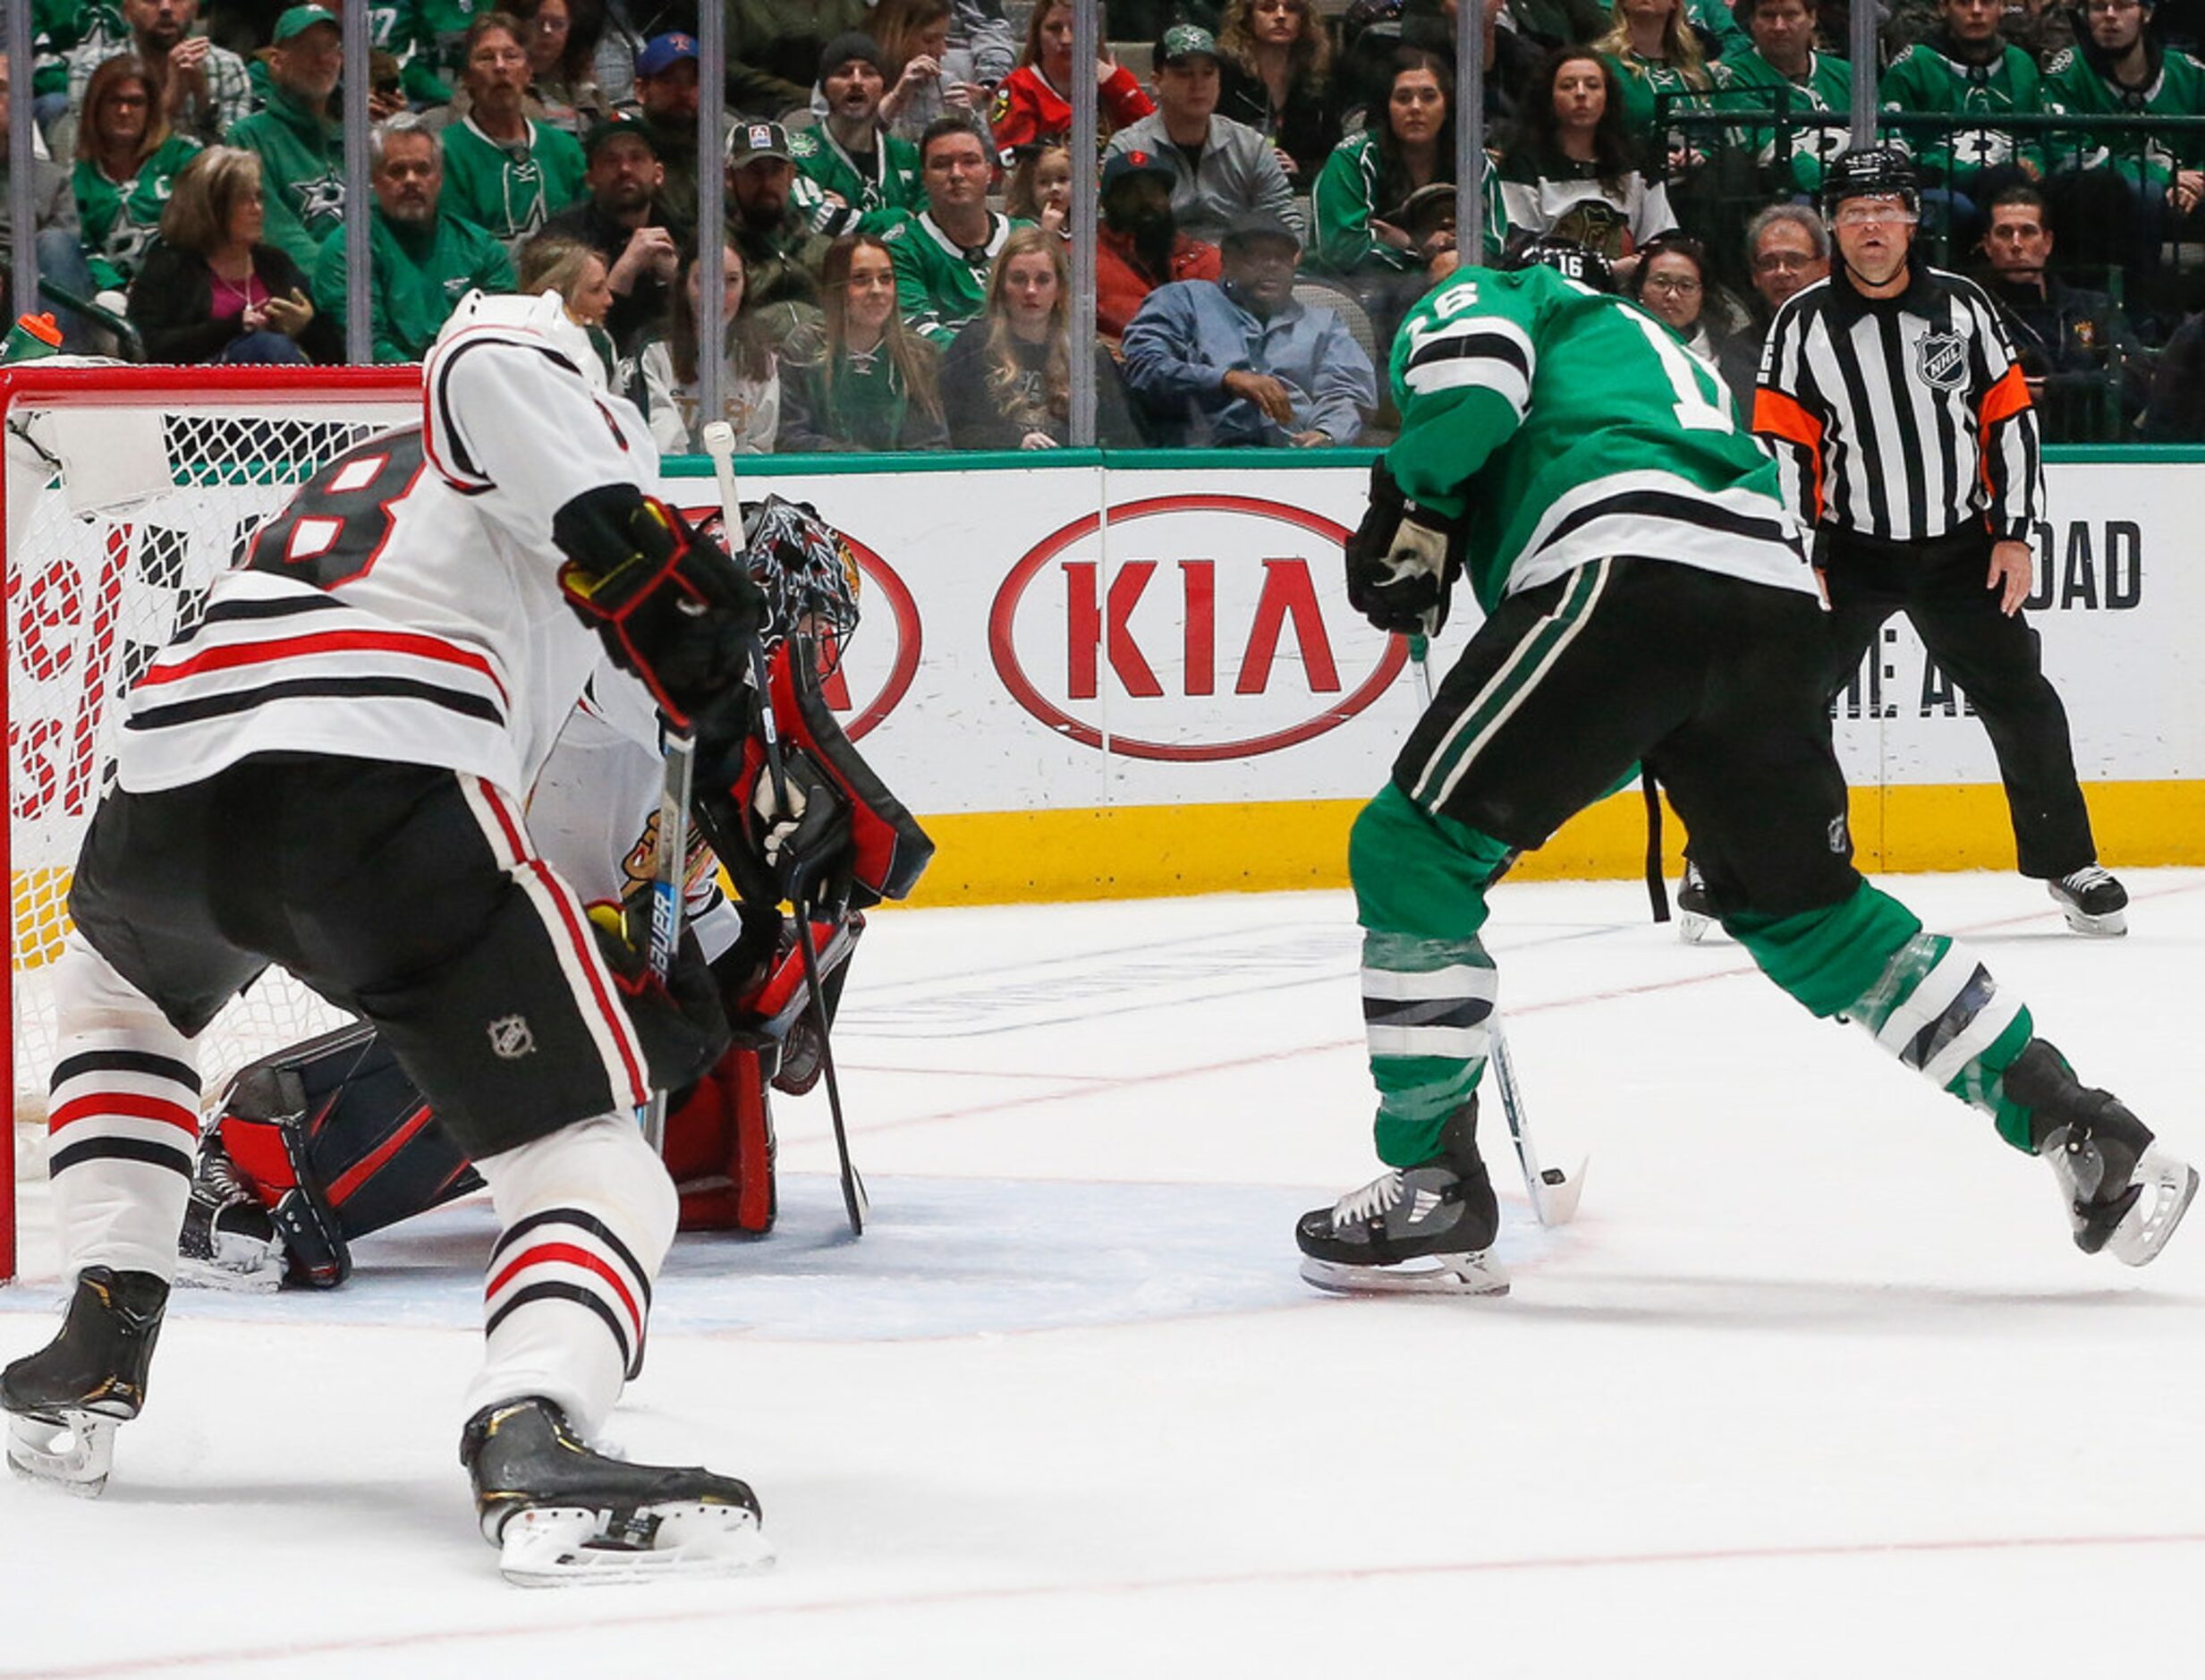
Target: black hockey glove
{"points": [[670, 605], [679, 1021], [1402, 561]]}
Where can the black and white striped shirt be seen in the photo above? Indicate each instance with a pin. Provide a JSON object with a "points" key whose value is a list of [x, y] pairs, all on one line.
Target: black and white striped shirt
{"points": [[1904, 418]]}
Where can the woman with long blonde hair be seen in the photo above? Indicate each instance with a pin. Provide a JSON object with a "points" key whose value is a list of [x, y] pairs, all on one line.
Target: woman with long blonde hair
{"points": [[1652, 49], [1007, 382], [876, 385]]}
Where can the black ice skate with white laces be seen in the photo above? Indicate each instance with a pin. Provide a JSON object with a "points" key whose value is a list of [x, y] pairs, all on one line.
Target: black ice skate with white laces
{"points": [[1419, 1230], [563, 1515], [2093, 901], [2124, 1194], [64, 1402], [228, 1240]]}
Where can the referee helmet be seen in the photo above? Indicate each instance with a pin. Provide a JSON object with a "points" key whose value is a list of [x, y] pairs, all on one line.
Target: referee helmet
{"points": [[1870, 172]]}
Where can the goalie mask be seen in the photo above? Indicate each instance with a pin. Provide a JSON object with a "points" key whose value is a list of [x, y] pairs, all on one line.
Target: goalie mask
{"points": [[808, 572]]}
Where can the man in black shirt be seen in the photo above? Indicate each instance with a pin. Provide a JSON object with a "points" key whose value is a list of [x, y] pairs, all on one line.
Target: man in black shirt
{"points": [[626, 222]]}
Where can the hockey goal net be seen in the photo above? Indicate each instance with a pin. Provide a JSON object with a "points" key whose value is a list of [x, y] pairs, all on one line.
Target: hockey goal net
{"points": [[127, 490]]}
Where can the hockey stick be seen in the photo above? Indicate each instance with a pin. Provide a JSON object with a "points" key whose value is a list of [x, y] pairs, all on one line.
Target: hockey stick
{"points": [[1554, 1193], [679, 747], [719, 444]]}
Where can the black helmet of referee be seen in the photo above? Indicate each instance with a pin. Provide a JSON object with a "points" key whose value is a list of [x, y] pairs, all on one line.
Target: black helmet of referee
{"points": [[1581, 263], [1870, 171]]}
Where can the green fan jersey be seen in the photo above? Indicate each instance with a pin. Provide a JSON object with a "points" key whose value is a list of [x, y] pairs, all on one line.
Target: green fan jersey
{"points": [[510, 189], [890, 181], [417, 278], [1925, 80], [1749, 82], [119, 217], [1569, 426], [2177, 88], [939, 286], [302, 175], [1644, 80]]}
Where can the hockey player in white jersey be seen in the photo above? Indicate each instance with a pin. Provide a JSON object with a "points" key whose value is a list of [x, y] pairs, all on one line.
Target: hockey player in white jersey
{"points": [[323, 775]]}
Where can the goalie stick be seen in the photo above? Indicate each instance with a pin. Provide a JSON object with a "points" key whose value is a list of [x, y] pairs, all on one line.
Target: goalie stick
{"points": [[1554, 1193], [679, 747], [719, 444]]}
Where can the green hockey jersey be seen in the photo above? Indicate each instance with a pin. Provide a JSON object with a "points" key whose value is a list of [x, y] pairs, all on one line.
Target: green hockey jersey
{"points": [[1644, 80], [119, 217], [417, 279], [940, 286], [2176, 88], [1569, 426], [1926, 81], [888, 182], [302, 175], [1746, 82], [510, 189]]}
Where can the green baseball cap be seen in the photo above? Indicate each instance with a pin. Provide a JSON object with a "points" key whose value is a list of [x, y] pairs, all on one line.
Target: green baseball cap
{"points": [[301, 17]]}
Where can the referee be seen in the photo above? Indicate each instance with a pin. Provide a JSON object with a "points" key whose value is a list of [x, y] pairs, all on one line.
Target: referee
{"points": [[1903, 432]]}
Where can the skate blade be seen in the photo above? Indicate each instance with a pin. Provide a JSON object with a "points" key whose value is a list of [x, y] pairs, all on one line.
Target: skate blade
{"points": [[71, 1449], [2112, 925], [1429, 1275], [566, 1546], [2169, 1187]]}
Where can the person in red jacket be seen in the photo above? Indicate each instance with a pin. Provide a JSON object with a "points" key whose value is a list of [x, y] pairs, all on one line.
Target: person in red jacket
{"points": [[1034, 103], [1139, 246]]}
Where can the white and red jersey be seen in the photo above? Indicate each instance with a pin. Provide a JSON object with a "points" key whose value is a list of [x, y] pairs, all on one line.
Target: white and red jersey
{"points": [[405, 606]]}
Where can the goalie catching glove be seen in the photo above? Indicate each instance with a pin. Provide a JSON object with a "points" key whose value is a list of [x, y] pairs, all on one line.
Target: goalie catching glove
{"points": [[670, 605], [1402, 561]]}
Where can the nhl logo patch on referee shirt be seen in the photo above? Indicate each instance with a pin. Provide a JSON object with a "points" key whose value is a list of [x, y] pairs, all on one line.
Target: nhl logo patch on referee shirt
{"points": [[1941, 359]]}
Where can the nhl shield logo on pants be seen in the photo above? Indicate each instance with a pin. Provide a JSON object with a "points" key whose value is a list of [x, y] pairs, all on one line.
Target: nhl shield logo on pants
{"points": [[510, 1037]]}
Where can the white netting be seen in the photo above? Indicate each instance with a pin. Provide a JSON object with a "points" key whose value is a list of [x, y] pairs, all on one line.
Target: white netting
{"points": [[118, 518]]}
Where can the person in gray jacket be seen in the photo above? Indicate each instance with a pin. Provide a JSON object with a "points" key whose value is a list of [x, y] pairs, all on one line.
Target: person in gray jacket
{"points": [[1240, 361], [1221, 169]]}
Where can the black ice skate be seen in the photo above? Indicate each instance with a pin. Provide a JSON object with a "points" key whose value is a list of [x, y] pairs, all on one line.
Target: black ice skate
{"points": [[228, 1241], [1694, 913], [563, 1514], [1420, 1230], [2093, 901], [2124, 1193], [64, 1401]]}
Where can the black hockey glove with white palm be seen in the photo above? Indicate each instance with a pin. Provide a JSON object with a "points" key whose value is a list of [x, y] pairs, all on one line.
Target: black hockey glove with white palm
{"points": [[670, 605], [1402, 561]]}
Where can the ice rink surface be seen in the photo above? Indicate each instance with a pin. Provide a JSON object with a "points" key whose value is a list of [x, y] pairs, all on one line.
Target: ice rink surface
{"points": [[1816, 1384]]}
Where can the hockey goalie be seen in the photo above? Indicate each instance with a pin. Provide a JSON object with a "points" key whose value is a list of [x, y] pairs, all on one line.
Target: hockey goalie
{"points": [[325, 774], [328, 1140]]}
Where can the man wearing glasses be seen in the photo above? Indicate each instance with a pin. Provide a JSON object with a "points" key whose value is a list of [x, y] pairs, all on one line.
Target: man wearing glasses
{"points": [[1903, 429]]}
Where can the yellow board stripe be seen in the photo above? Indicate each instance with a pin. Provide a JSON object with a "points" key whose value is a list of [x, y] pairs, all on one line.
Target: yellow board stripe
{"points": [[1148, 851], [1158, 850]]}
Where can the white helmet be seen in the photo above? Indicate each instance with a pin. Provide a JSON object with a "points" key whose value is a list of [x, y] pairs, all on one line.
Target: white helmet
{"points": [[523, 316]]}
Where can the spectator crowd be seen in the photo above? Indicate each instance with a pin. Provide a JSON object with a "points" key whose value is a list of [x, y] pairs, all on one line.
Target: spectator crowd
{"points": [[1275, 189]]}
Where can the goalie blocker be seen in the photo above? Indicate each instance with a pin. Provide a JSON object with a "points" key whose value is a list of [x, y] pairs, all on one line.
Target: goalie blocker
{"points": [[328, 1140]]}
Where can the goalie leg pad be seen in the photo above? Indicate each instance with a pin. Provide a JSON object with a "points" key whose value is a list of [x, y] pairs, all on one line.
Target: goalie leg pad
{"points": [[334, 1141], [720, 1145]]}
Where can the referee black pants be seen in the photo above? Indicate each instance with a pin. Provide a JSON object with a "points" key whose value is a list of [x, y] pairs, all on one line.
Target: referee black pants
{"points": [[1995, 660]]}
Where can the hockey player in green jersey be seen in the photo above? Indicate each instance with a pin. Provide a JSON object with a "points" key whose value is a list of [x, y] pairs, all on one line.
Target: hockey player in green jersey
{"points": [[1648, 601]]}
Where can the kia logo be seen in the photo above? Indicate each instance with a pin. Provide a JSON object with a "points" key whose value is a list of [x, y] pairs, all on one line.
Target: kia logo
{"points": [[1211, 607], [883, 656]]}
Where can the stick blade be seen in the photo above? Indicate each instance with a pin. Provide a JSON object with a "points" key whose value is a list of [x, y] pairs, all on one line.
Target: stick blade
{"points": [[1555, 1199]]}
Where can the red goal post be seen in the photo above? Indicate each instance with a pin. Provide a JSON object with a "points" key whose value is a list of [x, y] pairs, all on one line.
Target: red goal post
{"points": [[127, 490]]}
